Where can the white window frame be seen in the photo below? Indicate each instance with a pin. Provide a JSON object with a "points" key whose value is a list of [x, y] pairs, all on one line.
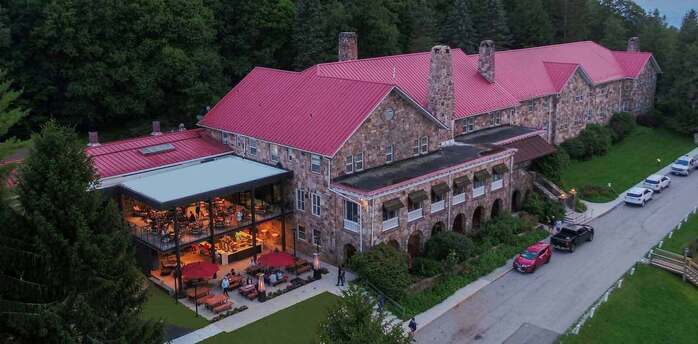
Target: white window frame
{"points": [[415, 147], [359, 162], [531, 106], [349, 164], [290, 153], [313, 159], [273, 152], [317, 239], [351, 224], [469, 125], [298, 233], [315, 203], [225, 138], [300, 199], [496, 118], [424, 144], [241, 142], [589, 116], [252, 144], [389, 153]]}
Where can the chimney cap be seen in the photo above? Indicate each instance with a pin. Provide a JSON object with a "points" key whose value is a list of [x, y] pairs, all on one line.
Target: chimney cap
{"points": [[156, 129], [92, 139]]}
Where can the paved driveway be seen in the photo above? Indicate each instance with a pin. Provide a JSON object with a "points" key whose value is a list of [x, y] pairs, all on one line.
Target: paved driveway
{"points": [[521, 308]]}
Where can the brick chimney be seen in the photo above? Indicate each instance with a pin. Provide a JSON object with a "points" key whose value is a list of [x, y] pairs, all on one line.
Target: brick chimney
{"points": [[156, 128], [485, 64], [348, 46], [440, 98], [634, 44], [92, 139]]}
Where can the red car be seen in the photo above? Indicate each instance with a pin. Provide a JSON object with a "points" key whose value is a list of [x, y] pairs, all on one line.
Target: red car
{"points": [[533, 257]]}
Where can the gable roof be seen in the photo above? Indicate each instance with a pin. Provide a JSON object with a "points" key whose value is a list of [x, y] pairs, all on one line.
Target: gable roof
{"points": [[318, 109], [125, 156]]}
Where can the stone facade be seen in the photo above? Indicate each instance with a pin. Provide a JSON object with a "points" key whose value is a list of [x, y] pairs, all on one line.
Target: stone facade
{"points": [[348, 46], [483, 121], [638, 94], [485, 63], [440, 98]]}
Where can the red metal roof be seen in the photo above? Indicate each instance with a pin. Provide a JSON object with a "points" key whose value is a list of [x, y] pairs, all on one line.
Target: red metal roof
{"points": [[123, 157]]}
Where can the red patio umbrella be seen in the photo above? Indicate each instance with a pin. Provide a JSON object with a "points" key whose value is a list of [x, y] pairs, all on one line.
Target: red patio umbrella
{"points": [[276, 259], [199, 270]]}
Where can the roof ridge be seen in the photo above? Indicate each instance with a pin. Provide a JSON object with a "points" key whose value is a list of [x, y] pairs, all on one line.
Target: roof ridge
{"points": [[357, 80], [385, 57], [278, 70], [544, 46], [196, 131]]}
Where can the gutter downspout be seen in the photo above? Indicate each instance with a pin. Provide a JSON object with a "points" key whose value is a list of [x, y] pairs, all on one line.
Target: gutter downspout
{"points": [[450, 199]]}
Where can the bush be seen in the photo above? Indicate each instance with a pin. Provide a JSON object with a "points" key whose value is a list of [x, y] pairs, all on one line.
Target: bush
{"points": [[426, 267], [503, 229], [575, 148], [551, 166], [544, 209], [440, 244], [384, 267], [579, 206], [596, 140], [621, 124], [649, 120], [595, 192]]}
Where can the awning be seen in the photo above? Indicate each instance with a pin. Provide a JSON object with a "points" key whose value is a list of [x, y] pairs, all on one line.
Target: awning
{"points": [[417, 196], [393, 204], [481, 175], [440, 188], [530, 148], [500, 169], [462, 180], [202, 181]]}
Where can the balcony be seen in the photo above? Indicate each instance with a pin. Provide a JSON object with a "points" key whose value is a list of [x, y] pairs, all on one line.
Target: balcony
{"points": [[478, 191], [351, 225], [497, 184], [458, 199], [438, 206], [391, 223], [414, 215]]}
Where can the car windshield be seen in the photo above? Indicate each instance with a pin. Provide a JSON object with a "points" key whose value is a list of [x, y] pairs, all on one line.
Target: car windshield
{"points": [[682, 162], [529, 254], [568, 232], [630, 194], [650, 181]]}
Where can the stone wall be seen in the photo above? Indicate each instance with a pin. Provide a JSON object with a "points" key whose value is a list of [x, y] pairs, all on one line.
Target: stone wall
{"points": [[534, 113], [484, 121], [377, 132], [638, 94]]}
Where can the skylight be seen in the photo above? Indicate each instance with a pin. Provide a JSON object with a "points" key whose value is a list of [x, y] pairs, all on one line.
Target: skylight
{"points": [[157, 149]]}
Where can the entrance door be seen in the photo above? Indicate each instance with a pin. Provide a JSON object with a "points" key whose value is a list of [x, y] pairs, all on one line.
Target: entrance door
{"points": [[349, 251], [459, 224], [414, 244], [477, 217]]}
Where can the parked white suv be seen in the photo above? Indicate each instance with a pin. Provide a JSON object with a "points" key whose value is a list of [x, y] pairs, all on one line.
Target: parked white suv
{"points": [[683, 165], [657, 182], [638, 196]]}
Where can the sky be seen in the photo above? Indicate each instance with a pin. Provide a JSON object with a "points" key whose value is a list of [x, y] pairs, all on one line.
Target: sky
{"points": [[674, 10]]}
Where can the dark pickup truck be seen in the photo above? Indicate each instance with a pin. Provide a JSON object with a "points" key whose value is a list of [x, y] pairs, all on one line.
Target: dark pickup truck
{"points": [[572, 235]]}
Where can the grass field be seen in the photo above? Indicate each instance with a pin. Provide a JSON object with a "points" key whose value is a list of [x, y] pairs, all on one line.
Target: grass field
{"points": [[682, 237], [628, 162], [653, 306], [161, 306], [294, 325]]}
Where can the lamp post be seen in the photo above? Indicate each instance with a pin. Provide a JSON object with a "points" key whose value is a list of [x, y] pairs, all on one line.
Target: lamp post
{"points": [[260, 286], [316, 266]]}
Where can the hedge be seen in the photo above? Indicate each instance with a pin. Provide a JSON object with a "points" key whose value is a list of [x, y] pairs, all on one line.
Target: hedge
{"points": [[546, 210], [441, 243], [384, 267], [621, 124]]}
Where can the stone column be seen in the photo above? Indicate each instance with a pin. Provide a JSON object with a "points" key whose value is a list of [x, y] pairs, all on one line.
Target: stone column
{"points": [[348, 46], [440, 99], [485, 63], [634, 44]]}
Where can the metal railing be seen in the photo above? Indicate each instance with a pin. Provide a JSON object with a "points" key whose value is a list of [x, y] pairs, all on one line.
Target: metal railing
{"points": [[391, 223], [438, 206], [351, 225], [458, 199], [414, 215]]}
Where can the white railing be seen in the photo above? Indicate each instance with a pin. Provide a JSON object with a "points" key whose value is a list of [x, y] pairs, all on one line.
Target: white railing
{"points": [[414, 214], [438, 206], [497, 184], [351, 225], [478, 191], [391, 223], [458, 199]]}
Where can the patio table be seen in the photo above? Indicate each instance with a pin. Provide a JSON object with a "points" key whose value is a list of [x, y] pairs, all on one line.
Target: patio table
{"points": [[200, 292], [247, 288], [215, 300]]}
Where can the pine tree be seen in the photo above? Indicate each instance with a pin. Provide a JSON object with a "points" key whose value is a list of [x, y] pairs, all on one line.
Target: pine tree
{"points": [[570, 19], [689, 28], [88, 287], [355, 320], [376, 22], [420, 31], [309, 43], [530, 24], [615, 34], [457, 28], [10, 114], [490, 22]]}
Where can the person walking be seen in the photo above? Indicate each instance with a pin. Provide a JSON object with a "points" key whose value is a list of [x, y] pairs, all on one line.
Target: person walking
{"points": [[381, 303], [342, 277], [413, 325], [225, 284], [340, 269]]}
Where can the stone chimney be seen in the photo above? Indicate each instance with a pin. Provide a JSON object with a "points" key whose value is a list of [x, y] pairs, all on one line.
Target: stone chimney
{"points": [[634, 44], [182, 127], [156, 128], [93, 139], [485, 64], [348, 46], [440, 98]]}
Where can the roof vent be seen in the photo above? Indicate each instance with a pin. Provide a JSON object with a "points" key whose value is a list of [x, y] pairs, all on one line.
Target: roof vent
{"points": [[167, 147]]}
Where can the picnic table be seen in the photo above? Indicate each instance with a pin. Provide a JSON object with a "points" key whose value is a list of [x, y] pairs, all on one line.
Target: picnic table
{"points": [[215, 300], [198, 292], [235, 281]]}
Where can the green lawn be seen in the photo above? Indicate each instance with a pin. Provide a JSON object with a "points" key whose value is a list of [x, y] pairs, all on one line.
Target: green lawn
{"points": [[161, 306], [294, 325], [682, 237], [653, 306], [628, 162]]}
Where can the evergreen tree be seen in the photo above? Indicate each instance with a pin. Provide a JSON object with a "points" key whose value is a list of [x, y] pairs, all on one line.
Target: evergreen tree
{"points": [[355, 320], [615, 35], [420, 32], [79, 282], [457, 27], [570, 19], [490, 22], [376, 22], [308, 34], [10, 114], [530, 24], [689, 28]]}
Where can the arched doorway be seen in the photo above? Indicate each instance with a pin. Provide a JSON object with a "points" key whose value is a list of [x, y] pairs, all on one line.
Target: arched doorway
{"points": [[394, 244], [459, 224], [349, 251], [496, 208], [414, 244], [477, 217], [516, 201], [438, 227]]}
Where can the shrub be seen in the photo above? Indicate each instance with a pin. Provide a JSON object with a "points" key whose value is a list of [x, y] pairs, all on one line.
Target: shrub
{"points": [[621, 124], [426, 267], [384, 267], [579, 206], [503, 229], [551, 166], [592, 192], [575, 148], [440, 244], [649, 120], [544, 209], [596, 140]]}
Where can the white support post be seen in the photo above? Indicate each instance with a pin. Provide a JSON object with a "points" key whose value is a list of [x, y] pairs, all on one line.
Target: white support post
{"points": [[632, 271], [660, 244], [591, 312], [620, 282], [670, 234]]}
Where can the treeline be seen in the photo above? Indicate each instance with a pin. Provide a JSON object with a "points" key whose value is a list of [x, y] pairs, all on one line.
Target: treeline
{"points": [[97, 63]]}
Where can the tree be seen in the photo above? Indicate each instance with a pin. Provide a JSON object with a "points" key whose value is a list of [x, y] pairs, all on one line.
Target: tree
{"points": [[457, 27], [490, 22], [74, 278], [10, 114], [570, 19], [355, 320], [308, 34], [376, 22], [530, 24], [615, 35], [689, 28], [419, 26]]}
